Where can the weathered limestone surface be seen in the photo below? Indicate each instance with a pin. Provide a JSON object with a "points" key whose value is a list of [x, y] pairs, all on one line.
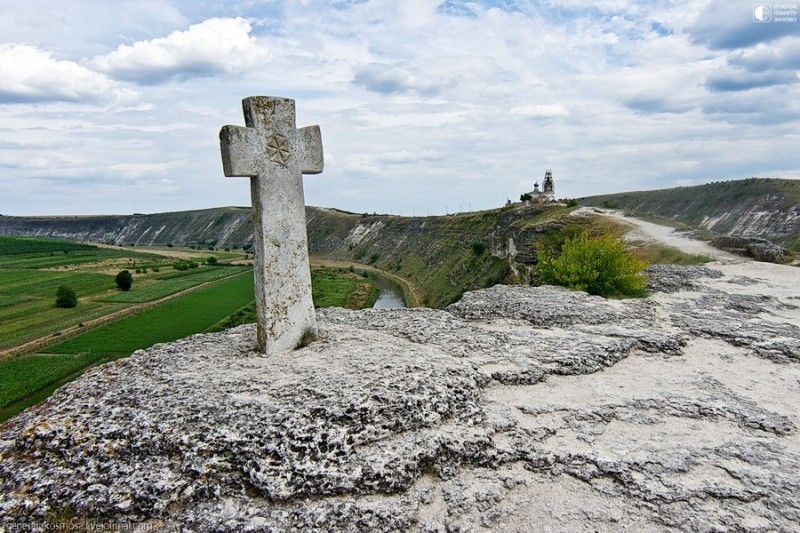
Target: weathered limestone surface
{"points": [[517, 409]]}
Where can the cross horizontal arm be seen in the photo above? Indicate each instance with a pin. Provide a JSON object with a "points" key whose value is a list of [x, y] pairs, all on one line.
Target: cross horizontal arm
{"points": [[309, 140], [239, 147]]}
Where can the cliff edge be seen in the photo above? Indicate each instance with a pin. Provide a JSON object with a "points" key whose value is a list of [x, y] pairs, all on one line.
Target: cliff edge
{"points": [[517, 408]]}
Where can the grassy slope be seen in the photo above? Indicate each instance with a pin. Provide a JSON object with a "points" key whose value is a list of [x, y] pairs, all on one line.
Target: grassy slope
{"points": [[442, 256]]}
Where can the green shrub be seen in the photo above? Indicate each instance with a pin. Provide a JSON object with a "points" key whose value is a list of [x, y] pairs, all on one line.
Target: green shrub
{"points": [[572, 203], [66, 297], [124, 280], [184, 265], [598, 265], [478, 248], [211, 260], [373, 258]]}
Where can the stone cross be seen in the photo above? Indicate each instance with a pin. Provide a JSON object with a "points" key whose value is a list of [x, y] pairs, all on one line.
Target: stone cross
{"points": [[274, 155]]}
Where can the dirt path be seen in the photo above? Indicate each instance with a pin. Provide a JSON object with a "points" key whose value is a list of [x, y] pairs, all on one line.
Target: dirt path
{"points": [[742, 276], [644, 231]]}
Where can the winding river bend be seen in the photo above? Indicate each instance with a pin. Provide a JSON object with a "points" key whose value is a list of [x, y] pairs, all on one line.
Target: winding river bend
{"points": [[389, 294]]}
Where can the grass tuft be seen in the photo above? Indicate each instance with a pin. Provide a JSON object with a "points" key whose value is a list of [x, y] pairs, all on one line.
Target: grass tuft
{"points": [[309, 336]]}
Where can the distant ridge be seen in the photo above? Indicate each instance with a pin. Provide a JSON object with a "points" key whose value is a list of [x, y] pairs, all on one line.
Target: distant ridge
{"points": [[217, 227], [756, 207]]}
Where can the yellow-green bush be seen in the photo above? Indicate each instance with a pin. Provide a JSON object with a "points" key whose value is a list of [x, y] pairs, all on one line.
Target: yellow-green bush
{"points": [[598, 265]]}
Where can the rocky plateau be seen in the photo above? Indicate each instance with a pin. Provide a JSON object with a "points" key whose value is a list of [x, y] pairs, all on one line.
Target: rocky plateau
{"points": [[515, 409]]}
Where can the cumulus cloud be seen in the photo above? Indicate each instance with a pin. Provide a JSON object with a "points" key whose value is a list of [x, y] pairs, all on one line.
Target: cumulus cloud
{"points": [[762, 106], [650, 105], [28, 74], [761, 66], [538, 110], [386, 79], [740, 80], [726, 24], [214, 46], [779, 56]]}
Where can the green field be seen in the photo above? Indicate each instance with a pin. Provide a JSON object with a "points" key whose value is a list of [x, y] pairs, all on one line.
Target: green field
{"points": [[28, 284], [27, 297], [45, 282], [161, 286], [21, 253], [167, 322], [340, 288], [20, 376], [21, 245], [43, 319]]}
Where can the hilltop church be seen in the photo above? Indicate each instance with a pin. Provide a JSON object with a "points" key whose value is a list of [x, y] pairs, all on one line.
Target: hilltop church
{"points": [[548, 192]]}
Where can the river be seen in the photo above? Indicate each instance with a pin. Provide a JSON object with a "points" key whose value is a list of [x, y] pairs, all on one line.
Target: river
{"points": [[389, 294]]}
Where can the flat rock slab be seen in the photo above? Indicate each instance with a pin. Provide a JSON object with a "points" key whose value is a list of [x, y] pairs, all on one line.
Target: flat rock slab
{"points": [[516, 408]]}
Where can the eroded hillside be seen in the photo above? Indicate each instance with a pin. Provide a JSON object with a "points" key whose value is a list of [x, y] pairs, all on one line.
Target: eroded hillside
{"points": [[765, 208], [219, 228], [443, 256]]}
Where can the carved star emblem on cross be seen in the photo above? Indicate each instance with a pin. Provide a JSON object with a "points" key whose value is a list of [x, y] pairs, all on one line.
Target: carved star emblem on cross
{"points": [[278, 149]]}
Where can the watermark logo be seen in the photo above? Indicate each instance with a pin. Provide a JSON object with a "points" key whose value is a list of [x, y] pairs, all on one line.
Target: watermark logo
{"points": [[775, 13], [762, 13]]}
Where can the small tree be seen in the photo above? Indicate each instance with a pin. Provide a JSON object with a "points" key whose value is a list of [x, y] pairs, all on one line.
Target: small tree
{"points": [[478, 248], [124, 280], [525, 197], [598, 265], [211, 260], [66, 297]]}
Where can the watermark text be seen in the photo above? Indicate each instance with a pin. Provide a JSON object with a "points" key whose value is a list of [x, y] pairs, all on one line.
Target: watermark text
{"points": [[780, 13], [81, 527]]}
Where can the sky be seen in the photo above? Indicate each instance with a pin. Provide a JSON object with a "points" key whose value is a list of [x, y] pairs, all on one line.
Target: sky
{"points": [[425, 106]]}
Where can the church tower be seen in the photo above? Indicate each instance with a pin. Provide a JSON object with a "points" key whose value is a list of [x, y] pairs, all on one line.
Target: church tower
{"points": [[548, 187]]}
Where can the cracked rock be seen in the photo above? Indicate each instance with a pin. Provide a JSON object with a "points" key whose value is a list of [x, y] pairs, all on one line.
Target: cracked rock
{"points": [[515, 408]]}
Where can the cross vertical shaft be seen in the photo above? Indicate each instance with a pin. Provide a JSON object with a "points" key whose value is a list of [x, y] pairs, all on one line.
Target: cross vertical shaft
{"points": [[274, 154]]}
